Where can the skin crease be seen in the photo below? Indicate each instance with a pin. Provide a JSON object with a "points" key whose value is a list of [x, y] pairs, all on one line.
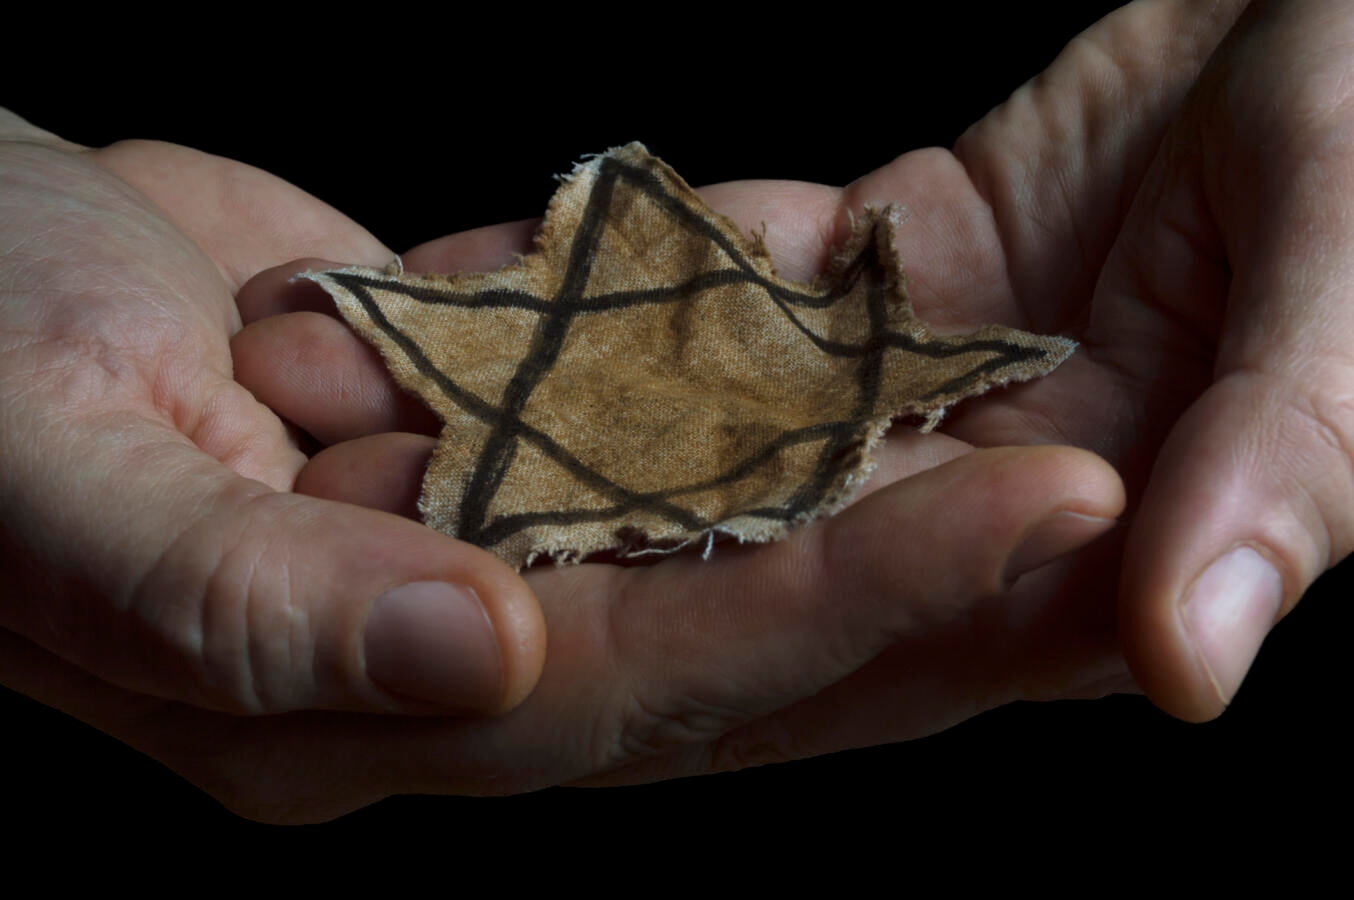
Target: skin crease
{"points": [[847, 675]]}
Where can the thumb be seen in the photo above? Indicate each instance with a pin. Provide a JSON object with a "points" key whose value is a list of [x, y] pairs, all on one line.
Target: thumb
{"points": [[1252, 495], [183, 580]]}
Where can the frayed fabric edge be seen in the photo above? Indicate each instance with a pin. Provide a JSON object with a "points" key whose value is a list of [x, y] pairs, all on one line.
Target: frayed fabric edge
{"points": [[834, 502]]}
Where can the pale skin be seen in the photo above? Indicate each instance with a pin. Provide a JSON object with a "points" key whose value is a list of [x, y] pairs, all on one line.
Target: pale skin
{"points": [[178, 573]]}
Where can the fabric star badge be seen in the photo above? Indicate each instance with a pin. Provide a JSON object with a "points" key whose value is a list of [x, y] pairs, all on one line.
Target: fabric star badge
{"points": [[643, 380]]}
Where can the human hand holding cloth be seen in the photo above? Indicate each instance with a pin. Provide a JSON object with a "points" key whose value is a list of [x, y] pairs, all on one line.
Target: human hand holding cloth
{"points": [[1001, 227], [178, 574]]}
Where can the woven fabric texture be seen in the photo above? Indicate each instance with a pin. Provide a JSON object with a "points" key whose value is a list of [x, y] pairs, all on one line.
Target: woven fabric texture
{"points": [[643, 380]]}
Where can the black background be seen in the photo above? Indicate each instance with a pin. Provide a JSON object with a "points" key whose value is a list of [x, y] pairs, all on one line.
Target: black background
{"points": [[419, 129]]}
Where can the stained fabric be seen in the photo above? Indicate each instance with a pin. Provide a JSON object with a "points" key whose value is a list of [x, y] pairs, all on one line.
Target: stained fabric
{"points": [[643, 380]]}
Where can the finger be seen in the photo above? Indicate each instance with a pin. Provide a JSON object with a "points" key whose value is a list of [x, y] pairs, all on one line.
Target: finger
{"points": [[383, 471], [313, 371], [1045, 639], [192, 583], [681, 652], [897, 563], [276, 291], [1252, 495], [1057, 164], [477, 250], [1014, 226]]}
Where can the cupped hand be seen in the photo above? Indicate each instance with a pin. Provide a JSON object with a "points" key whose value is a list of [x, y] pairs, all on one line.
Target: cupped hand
{"points": [[1174, 191], [1060, 212], [179, 574], [150, 538], [1013, 227], [885, 622], [1217, 373], [1229, 288]]}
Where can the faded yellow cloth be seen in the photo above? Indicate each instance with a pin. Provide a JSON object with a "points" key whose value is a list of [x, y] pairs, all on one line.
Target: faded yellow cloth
{"points": [[643, 380]]}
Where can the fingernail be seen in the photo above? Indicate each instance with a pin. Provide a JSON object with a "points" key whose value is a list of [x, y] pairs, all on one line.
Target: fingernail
{"points": [[1060, 533], [1228, 612], [434, 641]]}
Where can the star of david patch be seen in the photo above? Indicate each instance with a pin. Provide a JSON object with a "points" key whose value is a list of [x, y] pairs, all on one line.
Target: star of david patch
{"points": [[644, 380]]}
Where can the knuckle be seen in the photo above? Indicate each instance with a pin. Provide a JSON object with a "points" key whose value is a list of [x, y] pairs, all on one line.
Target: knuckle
{"points": [[643, 727], [255, 634], [221, 598]]}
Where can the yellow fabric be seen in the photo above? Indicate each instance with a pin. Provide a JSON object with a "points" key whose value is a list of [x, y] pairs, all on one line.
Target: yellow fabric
{"points": [[644, 379]]}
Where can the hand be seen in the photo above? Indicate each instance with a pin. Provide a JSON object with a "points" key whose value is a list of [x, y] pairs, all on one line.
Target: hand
{"points": [[1217, 371], [150, 543], [1186, 224], [1005, 217], [167, 579], [1044, 639], [964, 235]]}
